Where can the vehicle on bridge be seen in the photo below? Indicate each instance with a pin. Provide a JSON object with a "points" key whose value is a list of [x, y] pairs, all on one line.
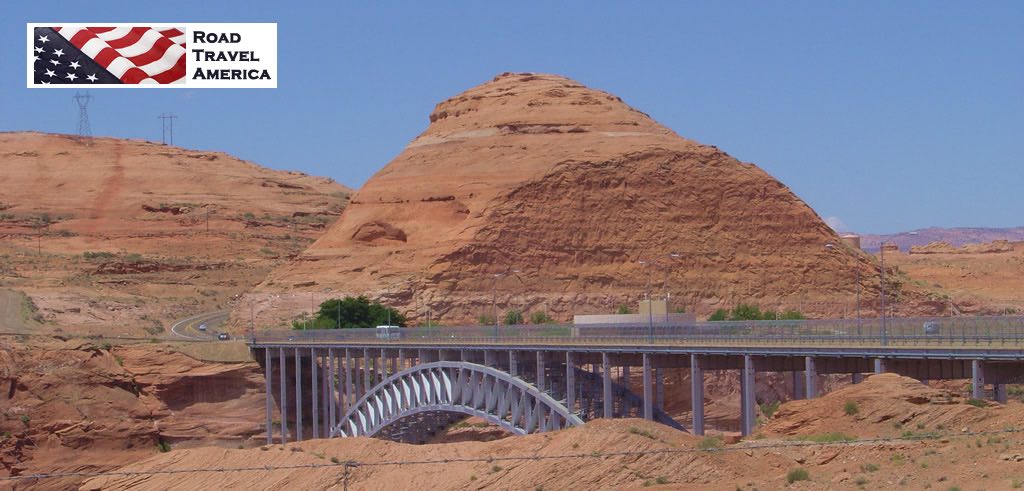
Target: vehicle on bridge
{"points": [[202, 327], [389, 332]]}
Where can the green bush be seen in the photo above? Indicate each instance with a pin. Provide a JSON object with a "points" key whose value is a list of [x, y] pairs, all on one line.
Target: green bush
{"points": [[746, 312], [793, 315], [977, 402], [624, 309], [710, 443], [540, 317], [163, 446], [485, 320], [513, 318], [769, 409], [798, 474], [869, 467], [851, 408], [97, 256], [719, 315]]}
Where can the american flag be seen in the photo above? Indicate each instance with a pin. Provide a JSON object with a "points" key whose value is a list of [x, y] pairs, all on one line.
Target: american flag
{"points": [[108, 55]]}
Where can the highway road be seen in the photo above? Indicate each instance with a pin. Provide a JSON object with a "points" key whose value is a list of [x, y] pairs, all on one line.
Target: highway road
{"points": [[188, 327]]}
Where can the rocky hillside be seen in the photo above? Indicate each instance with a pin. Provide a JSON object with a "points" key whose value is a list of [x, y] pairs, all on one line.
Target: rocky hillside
{"points": [[109, 232], [77, 406], [572, 188]]}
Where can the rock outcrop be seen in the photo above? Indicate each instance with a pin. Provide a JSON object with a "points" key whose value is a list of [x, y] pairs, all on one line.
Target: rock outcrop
{"points": [[573, 188]]}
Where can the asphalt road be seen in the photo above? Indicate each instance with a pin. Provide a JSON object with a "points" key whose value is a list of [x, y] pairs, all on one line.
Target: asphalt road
{"points": [[188, 327]]}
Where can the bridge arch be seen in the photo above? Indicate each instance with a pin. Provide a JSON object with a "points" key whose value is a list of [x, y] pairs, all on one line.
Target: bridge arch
{"points": [[456, 387]]}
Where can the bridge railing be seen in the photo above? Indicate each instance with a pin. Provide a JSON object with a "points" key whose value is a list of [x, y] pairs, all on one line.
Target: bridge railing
{"points": [[915, 331]]}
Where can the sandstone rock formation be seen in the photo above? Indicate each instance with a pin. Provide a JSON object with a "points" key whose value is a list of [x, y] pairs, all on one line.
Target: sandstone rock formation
{"points": [[77, 406], [136, 234], [572, 188], [942, 247]]}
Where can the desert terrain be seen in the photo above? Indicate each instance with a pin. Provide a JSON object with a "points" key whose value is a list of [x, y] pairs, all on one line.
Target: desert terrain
{"points": [[902, 434], [985, 278], [123, 237], [532, 188]]}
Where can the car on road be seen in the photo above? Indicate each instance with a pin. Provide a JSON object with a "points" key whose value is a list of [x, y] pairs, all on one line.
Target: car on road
{"points": [[202, 327], [931, 328], [223, 336]]}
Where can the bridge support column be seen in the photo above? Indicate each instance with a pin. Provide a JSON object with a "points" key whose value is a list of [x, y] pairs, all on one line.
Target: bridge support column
{"points": [[540, 370], [1000, 393], [347, 389], [747, 401], [513, 363], [857, 378], [606, 384], [659, 388], [284, 395], [811, 376], [799, 390], [879, 365], [489, 359], [332, 369], [697, 393], [367, 364], [325, 419], [625, 377], [298, 395], [570, 382], [313, 383], [648, 390], [977, 380], [268, 373]]}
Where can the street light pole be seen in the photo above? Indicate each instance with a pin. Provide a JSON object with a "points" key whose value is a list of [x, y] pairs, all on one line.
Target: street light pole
{"points": [[884, 333], [650, 305]]}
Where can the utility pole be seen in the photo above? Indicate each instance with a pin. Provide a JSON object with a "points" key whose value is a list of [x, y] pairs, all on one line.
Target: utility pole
{"points": [[167, 128], [84, 129], [884, 333]]}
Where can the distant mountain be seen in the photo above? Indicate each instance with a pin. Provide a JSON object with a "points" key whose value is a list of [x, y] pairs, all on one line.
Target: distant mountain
{"points": [[955, 236]]}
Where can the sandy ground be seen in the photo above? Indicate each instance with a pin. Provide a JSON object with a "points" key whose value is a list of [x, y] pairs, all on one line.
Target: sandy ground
{"points": [[904, 435]]}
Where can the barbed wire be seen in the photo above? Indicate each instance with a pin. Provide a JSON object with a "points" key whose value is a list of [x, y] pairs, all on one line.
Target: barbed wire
{"points": [[348, 464]]}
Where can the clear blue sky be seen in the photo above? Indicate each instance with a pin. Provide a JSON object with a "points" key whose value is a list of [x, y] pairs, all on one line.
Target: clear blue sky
{"points": [[888, 115]]}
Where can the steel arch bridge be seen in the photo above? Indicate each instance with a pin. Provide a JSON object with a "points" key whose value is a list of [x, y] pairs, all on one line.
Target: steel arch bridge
{"points": [[458, 387]]}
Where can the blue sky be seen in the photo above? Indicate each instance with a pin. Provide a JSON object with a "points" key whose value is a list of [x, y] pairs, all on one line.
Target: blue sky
{"points": [[886, 115]]}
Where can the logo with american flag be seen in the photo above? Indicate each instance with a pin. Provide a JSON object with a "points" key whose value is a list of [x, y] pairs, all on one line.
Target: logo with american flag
{"points": [[108, 55]]}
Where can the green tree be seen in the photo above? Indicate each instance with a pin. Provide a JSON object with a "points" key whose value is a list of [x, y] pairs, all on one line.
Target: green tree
{"points": [[513, 317], [352, 312]]}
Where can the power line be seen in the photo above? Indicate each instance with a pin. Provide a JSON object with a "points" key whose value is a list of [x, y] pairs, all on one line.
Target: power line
{"points": [[593, 455]]}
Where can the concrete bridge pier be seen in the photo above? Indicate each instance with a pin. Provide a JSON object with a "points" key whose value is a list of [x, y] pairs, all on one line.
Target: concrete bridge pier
{"points": [[1000, 393], [748, 403], [977, 380], [811, 377], [697, 393]]}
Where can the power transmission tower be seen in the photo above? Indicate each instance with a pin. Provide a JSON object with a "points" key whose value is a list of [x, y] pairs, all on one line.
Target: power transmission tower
{"points": [[84, 131], [167, 128]]}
